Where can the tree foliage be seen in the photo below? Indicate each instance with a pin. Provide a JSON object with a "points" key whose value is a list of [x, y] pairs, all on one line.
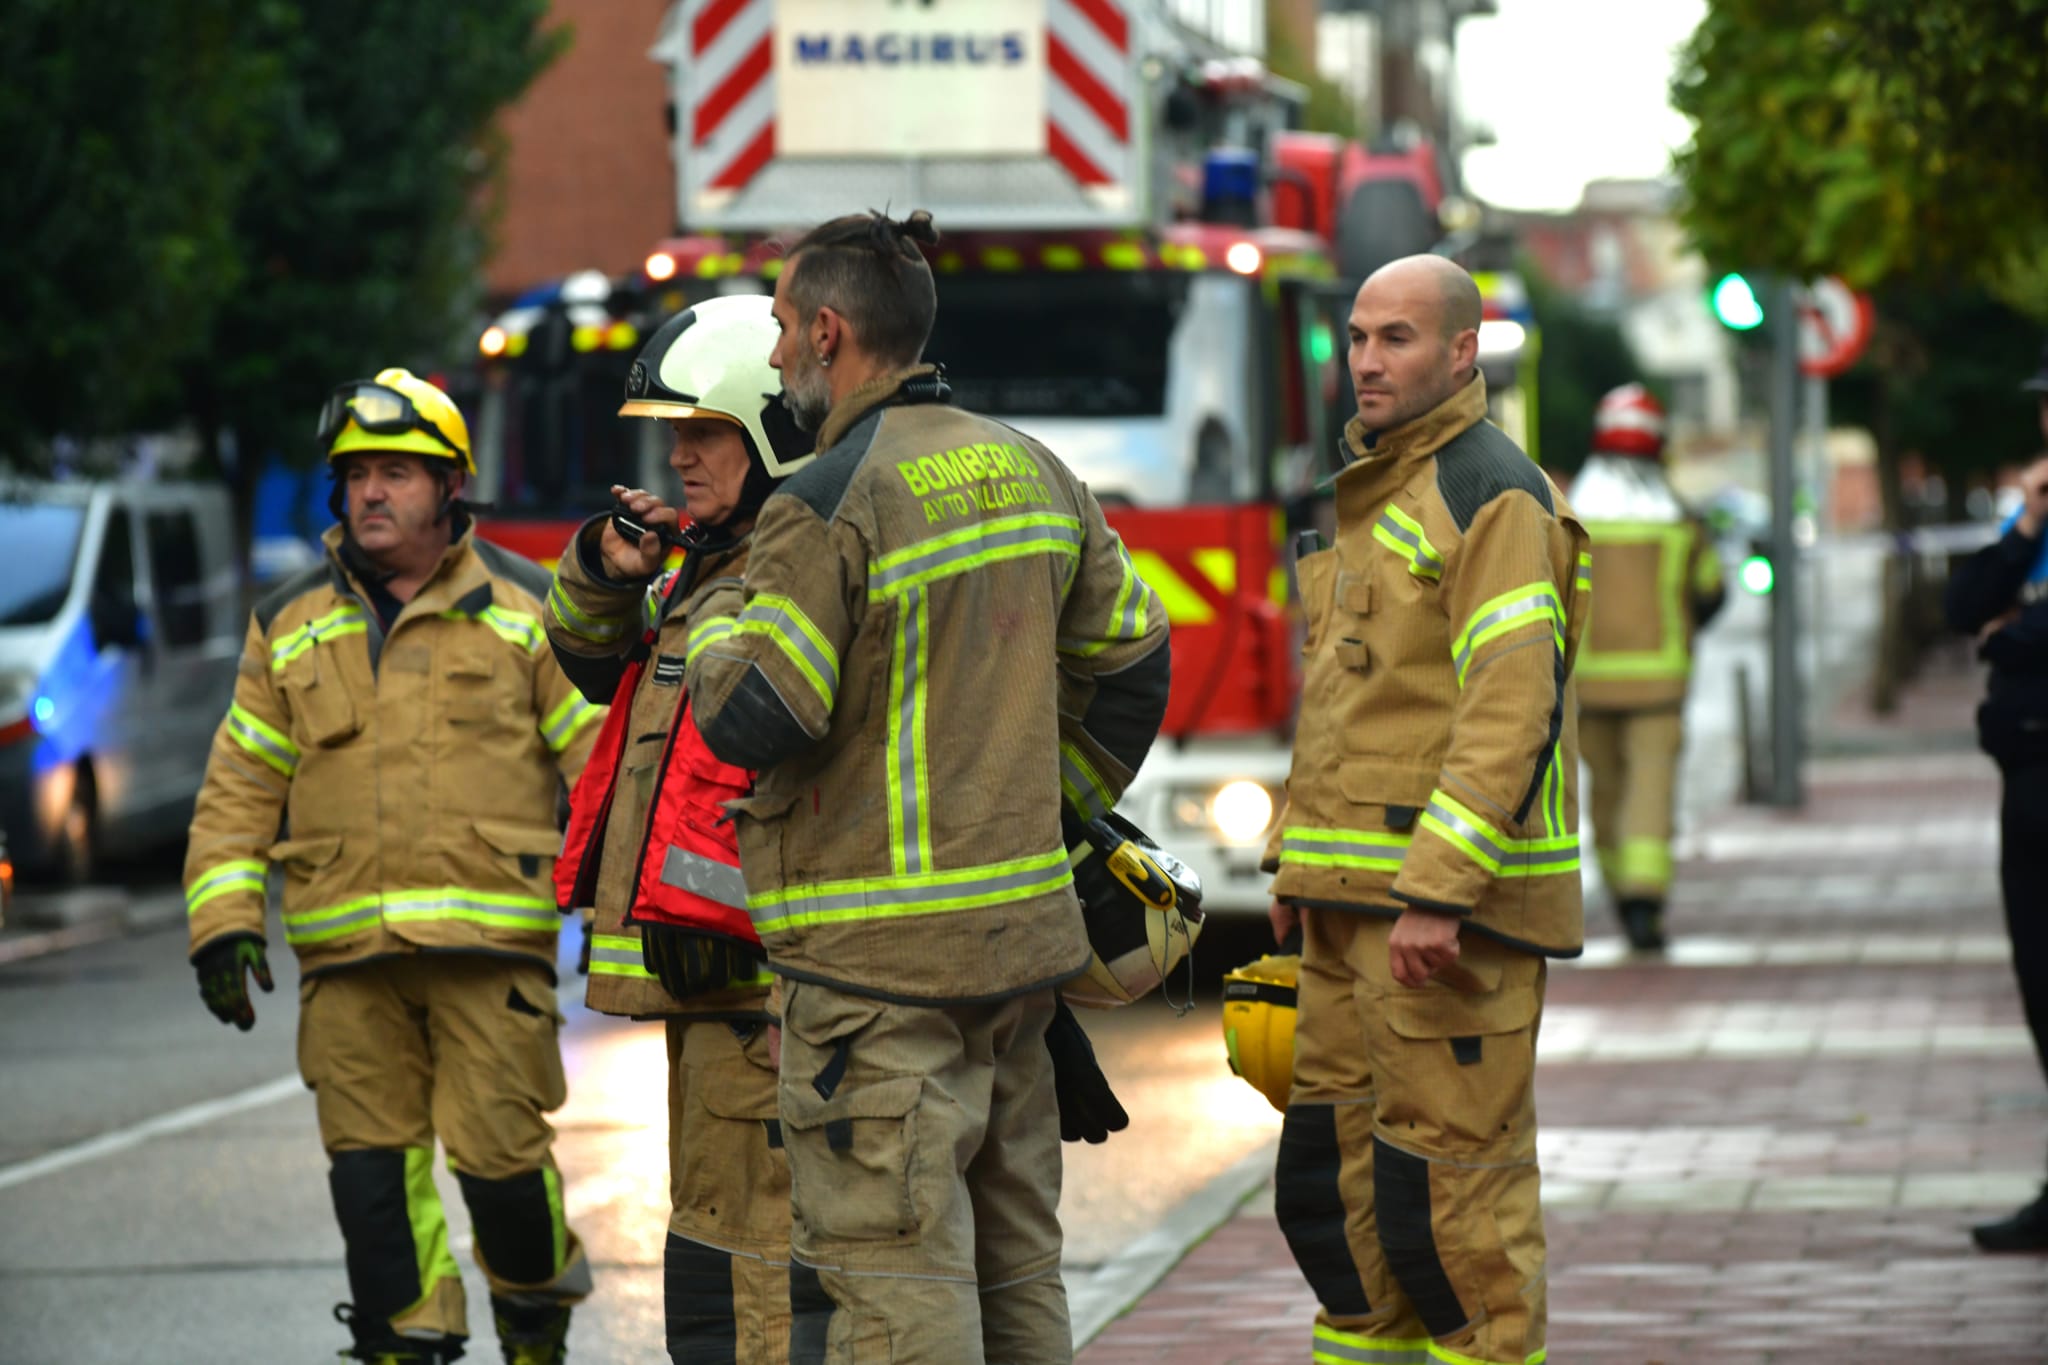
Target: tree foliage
{"points": [[1582, 356], [221, 208], [131, 131], [1877, 140]]}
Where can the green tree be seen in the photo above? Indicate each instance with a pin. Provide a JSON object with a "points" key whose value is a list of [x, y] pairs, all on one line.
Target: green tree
{"points": [[131, 131], [367, 221], [1582, 356]]}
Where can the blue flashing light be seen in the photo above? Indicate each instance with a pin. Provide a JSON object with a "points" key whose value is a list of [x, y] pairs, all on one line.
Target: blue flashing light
{"points": [[44, 711], [1230, 185]]}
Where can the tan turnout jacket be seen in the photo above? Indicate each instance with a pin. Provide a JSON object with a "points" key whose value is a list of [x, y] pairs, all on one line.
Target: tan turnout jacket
{"points": [[594, 623], [407, 782], [938, 638], [1436, 759]]}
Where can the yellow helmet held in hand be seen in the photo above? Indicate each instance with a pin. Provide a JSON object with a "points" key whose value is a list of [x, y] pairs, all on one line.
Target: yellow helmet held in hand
{"points": [[1142, 908], [396, 411], [1258, 1024]]}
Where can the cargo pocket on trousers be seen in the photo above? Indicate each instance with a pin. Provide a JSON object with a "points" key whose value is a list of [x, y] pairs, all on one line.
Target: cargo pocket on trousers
{"points": [[312, 1064], [858, 1144], [1459, 1066], [534, 1051], [735, 1180]]}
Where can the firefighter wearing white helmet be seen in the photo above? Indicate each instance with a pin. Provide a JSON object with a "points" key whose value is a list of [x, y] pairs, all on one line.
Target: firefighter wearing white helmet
{"points": [[1656, 581], [648, 847], [397, 715]]}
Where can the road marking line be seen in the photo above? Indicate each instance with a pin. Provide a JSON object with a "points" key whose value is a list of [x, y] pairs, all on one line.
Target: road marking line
{"points": [[177, 1121]]}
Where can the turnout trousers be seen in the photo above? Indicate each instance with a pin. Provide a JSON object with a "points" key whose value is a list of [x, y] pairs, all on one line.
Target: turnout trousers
{"points": [[401, 1050], [726, 1265], [1407, 1185], [924, 1161], [1632, 757]]}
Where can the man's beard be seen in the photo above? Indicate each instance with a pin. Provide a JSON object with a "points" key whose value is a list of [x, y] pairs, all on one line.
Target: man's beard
{"points": [[808, 398]]}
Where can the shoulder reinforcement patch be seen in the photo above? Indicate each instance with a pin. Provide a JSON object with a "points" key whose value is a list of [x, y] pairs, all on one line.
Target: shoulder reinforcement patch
{"points": [[1481, 463]]}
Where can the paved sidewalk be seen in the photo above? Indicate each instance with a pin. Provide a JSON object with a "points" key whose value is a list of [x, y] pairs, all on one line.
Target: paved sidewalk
{"points": [[1769, 1147]]}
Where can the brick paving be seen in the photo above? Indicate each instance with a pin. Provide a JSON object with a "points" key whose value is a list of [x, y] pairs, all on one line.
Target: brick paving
{"points": [[1770, 1147]]}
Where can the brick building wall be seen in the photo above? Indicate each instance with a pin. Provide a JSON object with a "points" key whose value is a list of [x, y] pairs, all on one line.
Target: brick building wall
{"points": [[589, 183]]}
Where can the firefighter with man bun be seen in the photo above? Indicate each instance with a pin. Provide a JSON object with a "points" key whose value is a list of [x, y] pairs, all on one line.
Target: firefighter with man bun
{"points": [[396, 748], [650, 846], [1656, 582]]}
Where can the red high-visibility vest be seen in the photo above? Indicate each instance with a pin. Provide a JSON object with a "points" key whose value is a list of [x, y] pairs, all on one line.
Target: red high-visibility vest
{"points": [[689, 873]]}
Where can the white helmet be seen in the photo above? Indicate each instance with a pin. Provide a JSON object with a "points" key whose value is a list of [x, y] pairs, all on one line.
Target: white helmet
{"points": [[711, 360], [1142, 907]]}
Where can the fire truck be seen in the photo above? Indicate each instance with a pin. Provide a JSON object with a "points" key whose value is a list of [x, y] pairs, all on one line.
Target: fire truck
{"points": [[1113, 279]]}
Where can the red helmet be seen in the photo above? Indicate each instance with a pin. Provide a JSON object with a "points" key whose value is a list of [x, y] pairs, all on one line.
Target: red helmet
{"points": [[1629, 421]]}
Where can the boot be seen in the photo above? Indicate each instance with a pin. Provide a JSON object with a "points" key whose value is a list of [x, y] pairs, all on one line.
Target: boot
{"points": [[2026, 1230], [1642, 919], [379, 1345], [532, 1334]]}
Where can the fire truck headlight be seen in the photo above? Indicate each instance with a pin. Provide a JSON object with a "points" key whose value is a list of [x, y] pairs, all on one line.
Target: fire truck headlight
{"points": [[1244, 257], [492, 342], [661, 266], [1241, 810]]}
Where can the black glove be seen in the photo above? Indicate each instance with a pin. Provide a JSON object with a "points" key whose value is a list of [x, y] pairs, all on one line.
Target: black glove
{"points": [[222, 985], [1089, 1111], [689, 963]]}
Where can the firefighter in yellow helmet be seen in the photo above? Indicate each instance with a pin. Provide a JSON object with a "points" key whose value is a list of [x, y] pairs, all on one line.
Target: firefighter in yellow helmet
{"points": [[395, 753], [1656, 582], [649, 846]]}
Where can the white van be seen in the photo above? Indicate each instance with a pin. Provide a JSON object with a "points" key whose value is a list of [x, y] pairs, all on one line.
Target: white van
{"points": [[120, 625]]}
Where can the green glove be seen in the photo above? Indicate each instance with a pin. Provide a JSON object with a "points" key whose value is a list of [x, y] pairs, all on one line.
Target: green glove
{"points": [[222, 985]]}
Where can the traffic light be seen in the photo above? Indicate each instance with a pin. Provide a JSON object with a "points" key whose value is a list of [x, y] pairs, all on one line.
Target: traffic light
{"points": [[1735, 303], [1757, 575]]}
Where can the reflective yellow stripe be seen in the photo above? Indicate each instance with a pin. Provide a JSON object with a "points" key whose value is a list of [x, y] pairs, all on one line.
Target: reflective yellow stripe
{"points": [[599, 630], [966, 888], [618, 955], [1403, 535], [261, 740], [1501, 856], [1584, 582], [973, 547], [490, 909], [1643, 864], [709, 632], [429, 1223], [1083, 787], [1332, 1347], [1510, 611], [346, 619], [243, 874], [806, 646], [909, 776], [1376, 850], [1127, 613], [561, 725]]}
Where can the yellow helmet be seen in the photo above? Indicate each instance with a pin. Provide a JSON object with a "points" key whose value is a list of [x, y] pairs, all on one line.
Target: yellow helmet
{"points": [[395, 411], [1258, 1024], [1141, 906]]}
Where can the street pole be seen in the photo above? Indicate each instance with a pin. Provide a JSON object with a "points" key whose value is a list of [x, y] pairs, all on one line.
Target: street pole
{"points": [[1787, 721]]}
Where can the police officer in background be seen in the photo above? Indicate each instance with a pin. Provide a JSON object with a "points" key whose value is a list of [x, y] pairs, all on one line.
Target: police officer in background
{"points": [[936, 634], [2000, 595], [648, 844], [399, 714], [1428, 851]]}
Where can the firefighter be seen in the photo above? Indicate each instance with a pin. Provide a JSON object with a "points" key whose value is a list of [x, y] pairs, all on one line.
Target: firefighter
{"points": [[1428, 852], [1658, 580], [936, 633], [648, 844], [396, 747]]}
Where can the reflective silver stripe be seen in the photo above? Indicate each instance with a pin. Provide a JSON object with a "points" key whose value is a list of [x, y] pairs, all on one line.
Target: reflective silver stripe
{"points": [[620, 957], [254, 735], [1083, 783], [797, 901], [1506, 853], [706, 877], [596, 629], [940, 556], [910, 728], [1424, 560], [793, 632], [1482, 837], [297, 930], [1332, 1346], [475, 909], [1521, 606], [1132, 624], [1392, 850]]}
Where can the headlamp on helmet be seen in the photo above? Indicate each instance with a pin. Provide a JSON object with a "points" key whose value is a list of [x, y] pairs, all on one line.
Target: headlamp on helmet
{"points": [[711, 360]]}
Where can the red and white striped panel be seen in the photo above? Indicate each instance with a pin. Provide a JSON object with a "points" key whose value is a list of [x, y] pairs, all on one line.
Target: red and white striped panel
{"points": [[729, 120], [1087, 72]]}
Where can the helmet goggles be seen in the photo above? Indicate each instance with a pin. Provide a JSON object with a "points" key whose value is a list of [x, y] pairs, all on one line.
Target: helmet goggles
{"points": [[378, 409]]}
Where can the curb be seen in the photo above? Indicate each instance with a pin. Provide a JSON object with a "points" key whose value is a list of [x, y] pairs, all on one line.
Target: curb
{"points": [[87, 916], [1115, 1286]]}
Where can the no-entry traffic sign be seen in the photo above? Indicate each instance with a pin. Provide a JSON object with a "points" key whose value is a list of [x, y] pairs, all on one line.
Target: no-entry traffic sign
{"points": [[1834, 327]]}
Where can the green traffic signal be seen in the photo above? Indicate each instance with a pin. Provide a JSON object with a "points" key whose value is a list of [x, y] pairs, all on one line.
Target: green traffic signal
{"points": [[1736, 304], [1757, 575]]}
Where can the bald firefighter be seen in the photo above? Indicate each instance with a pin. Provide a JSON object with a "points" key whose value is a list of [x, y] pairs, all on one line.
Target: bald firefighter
{"points": [[650, 845], [396, 750], [1429, 850], [1657, 581], [937, 633]]}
